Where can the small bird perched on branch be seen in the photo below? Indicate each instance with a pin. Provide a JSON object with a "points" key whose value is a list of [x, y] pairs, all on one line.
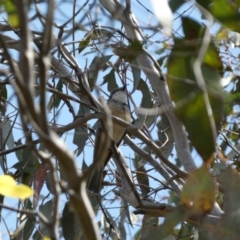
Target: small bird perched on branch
{"points": [[118, 106]]}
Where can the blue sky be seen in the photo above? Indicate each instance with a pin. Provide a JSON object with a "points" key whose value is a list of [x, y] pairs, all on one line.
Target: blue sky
{"points": [[145, 20]]}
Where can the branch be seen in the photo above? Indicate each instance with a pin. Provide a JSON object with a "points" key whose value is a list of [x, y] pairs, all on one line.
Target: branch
{"points": [[53, 143], [155, 76], [148, 158]]}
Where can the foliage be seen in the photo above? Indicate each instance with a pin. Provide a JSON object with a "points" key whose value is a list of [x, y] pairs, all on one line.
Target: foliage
{"points": [[176, 173], [9, 188]]}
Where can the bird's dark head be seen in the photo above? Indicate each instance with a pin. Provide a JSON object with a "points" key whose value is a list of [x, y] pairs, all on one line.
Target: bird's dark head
{"points": [[119, 95]]}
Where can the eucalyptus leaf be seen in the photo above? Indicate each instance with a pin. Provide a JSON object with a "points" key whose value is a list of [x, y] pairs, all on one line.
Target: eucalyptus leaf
{"points": [[193, 111], [81, 133], [136, 72], [97, 64], [70, 224], [54, 99], [7, 132], [110, 79]]}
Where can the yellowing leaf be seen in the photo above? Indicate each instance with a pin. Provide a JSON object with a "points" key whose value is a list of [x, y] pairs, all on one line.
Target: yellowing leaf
{"points": [[46, 238], [199, 191], [9, 188]]}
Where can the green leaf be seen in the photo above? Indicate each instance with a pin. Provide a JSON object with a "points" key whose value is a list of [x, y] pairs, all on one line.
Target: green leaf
{"points": [[59, 85], [136, 71], [173, 218], [70, 224], [49, 183], [19, 152], [47, 209], [228, 226], [11, 10], [25, 229], [3, 99], [110, 79], [190, 103], [151, 119], [186, 232], [94, 34], [174, 5], [129, 53], [141, 173], [138, 161], [213, 60], [192, 29], [54, 99], [81, 134], [145, 103], [142, 177], [84, 43], [95, 203], [205, 3], [27, 165], [138, 123], [146, 96], [30, 160], [22, 166], [84, 165], [98, 63], [226, 12], [26, 225], [7, 133], [149, 225]]}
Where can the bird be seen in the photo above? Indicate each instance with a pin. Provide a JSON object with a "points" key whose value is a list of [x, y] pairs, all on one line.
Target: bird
{"points": [[119, 107]]}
